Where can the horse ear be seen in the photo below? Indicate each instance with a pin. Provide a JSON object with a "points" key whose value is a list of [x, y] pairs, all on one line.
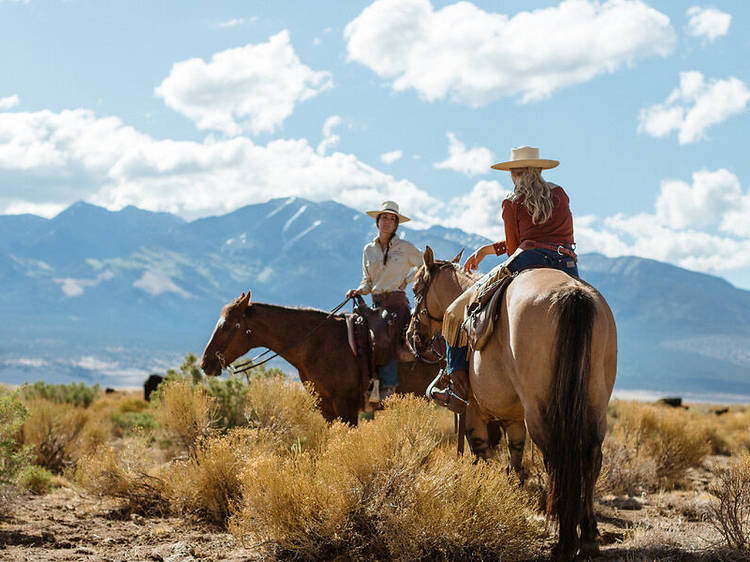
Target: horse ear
{"points": [[458, 256], [428, 257]]}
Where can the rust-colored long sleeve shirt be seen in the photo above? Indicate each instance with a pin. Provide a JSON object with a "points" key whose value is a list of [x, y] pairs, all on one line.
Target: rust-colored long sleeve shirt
{"points": [[557, 229]]}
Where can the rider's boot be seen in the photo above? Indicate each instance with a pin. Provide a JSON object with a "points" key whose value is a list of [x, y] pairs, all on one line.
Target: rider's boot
{"points": [[455, 395]]}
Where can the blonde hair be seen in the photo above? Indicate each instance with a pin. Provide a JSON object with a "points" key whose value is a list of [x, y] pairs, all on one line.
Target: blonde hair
{"points": [[534, 193]]}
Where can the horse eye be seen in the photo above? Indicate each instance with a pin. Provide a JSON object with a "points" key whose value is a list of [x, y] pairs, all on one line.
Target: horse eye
{"points": [[237, 325]]}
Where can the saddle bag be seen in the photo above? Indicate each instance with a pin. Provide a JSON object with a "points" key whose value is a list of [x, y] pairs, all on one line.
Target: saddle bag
{"points": [[481, 314]]}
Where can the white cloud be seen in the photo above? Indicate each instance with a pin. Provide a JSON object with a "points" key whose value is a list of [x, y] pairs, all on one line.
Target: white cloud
{"points": [[234, 22], [27, 362], [695, 106], [247, 89], [708, 23], [19, 207], [701, 205], [703, 226], [75, 287], [330, 139], [52, 159], [93, 364], [9, 102], [462, 53], [392, 156], [479, 211], [472, 162], [156, 283]]}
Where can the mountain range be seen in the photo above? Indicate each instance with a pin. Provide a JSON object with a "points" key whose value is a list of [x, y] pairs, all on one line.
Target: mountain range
{"points": [[99, 296]]}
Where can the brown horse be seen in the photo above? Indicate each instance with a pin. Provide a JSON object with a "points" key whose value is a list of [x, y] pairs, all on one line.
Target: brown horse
{"points": [[550, 362], [321, 356]]}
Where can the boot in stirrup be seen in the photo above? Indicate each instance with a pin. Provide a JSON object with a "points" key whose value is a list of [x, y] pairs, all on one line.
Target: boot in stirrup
{"points": [[455, 394]]}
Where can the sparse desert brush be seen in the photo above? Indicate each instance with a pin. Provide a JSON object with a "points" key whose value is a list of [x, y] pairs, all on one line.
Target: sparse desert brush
{"points": [[624, 471], [675, 439], [77, 393], [56, 433], [36, 479], [730, 516], [185, 411], [126, 474], [287, 411], [13, 455], [385, 490], [208, 484]]}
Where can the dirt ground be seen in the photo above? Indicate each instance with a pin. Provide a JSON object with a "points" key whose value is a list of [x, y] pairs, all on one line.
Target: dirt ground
{"points": [[70, 525]]}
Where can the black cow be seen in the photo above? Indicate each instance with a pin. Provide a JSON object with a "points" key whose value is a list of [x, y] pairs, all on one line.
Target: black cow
{"points": [[151, 384]]}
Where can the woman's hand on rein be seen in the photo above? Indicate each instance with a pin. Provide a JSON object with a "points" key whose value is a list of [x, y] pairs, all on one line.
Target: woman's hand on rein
{"points": [[352, 293]]}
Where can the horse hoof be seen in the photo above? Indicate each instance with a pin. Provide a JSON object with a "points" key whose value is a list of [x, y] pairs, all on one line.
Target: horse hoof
{"points": [[589, 549], [563, 556]]}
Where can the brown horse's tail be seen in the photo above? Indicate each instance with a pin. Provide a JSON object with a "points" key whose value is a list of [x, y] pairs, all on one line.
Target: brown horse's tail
{"points": [[571, 430]]}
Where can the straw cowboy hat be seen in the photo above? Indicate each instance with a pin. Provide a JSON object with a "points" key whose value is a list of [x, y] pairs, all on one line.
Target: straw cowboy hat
{"points": [[388, 207], [525, 157]]}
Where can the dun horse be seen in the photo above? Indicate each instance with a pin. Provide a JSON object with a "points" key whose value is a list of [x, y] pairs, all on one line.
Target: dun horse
{"points": [[550, 362], [321, 356]]}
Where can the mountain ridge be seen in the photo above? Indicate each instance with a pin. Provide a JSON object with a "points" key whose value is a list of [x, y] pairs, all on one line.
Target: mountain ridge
{"points": [[79, 306]]}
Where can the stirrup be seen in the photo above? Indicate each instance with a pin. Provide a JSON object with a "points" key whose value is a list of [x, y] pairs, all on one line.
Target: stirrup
{"points": [[375, 394]]}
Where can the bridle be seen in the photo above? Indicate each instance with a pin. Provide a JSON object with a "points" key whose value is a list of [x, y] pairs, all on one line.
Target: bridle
{"points": [[421, 310]]}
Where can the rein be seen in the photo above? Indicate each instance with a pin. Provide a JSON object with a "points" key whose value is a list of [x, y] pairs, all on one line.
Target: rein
{"points": [[251, 363]]}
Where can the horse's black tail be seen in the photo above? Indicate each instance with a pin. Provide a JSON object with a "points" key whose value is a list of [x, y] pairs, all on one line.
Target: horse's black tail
{"points": [[571, 430]]}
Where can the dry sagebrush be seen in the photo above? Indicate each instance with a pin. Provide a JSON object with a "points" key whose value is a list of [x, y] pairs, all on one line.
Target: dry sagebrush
{"points": [[126, 474], [730, 515], [649, 439], [385, 490]]}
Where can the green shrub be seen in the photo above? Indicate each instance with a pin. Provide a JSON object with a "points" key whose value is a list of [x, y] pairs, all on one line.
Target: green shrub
{"points": [[130, 422], [230, 394], [36, 479], [13, 456], [77, 393]]}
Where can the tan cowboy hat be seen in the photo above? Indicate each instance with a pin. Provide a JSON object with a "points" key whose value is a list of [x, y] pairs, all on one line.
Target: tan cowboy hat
{"points": [[525, 157], [388, 207]]}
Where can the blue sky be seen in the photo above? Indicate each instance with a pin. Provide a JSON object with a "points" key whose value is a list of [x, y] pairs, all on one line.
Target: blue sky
{"points": [[197, 108]]}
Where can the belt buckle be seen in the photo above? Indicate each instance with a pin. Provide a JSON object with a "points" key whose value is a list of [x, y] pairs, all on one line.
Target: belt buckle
{"points": [[558, 249]]}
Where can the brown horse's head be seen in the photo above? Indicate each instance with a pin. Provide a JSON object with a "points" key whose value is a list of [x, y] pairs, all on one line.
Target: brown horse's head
{"points": [[231, 337], [431, 297]]}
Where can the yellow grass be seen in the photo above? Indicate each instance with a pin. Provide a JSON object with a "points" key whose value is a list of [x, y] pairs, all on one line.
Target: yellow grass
{"points": [[385, 490]]}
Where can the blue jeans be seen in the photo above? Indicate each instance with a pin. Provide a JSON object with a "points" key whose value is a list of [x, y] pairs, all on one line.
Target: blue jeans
{"points": [[457, 357], [388, 375]]}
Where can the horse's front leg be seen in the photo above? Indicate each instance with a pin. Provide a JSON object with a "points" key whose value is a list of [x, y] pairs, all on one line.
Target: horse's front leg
{"points": [[476, 430]]}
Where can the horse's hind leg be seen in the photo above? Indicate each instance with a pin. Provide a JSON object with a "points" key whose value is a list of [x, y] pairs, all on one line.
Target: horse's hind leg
{"points": [[476, 430], [515, 432], [589, 531]]}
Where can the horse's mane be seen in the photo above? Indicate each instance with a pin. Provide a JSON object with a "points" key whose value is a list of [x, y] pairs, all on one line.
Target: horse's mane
{"points": [[236, 302], [445, 264]]}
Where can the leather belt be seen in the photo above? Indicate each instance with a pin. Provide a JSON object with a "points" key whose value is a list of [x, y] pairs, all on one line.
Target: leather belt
{"points": [[562, 249]]}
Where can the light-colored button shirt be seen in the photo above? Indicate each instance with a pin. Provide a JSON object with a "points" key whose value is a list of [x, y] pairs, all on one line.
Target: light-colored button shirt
{"points": [[403, 259]]}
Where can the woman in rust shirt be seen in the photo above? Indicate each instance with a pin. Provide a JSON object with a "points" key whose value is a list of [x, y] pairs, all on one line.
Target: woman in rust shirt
{"points": [[536, 216], [538, 233]]}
